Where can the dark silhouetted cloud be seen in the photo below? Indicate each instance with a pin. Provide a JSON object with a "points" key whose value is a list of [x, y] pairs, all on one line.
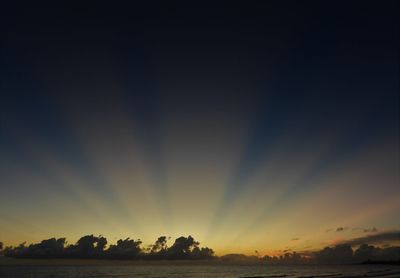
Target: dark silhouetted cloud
{"points": [[391, 236], [371, 230]]}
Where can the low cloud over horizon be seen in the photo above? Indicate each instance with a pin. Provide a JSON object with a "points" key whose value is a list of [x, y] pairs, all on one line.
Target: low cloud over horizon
{"points": [[378, 238]]}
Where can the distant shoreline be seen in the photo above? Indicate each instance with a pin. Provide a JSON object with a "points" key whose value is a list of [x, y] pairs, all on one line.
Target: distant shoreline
{"points": [[6, 261], [382, 262]]}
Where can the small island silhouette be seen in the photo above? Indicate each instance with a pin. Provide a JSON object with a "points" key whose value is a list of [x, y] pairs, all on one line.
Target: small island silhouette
{"points": [[187, 248]]}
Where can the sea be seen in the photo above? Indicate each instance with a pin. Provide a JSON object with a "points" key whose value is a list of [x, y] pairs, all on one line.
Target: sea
{"points": [[178, 271]]}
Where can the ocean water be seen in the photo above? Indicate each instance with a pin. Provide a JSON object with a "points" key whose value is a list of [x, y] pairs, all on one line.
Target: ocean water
{"points": [[194, 271]]}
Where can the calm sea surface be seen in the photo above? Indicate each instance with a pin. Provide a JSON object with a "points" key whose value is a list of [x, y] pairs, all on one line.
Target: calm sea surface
{"points": [[199, 271]]}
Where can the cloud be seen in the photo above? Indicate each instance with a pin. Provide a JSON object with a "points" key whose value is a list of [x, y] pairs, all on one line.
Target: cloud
{"points": [[338, 229], [371, 230], [389, 236], [366, 230]]}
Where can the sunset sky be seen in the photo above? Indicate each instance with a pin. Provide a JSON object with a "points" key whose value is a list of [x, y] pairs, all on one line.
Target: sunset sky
{"points": [[270, 127]]}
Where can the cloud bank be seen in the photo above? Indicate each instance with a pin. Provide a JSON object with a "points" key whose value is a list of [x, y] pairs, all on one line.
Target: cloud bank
{"points": [[390, 236]]}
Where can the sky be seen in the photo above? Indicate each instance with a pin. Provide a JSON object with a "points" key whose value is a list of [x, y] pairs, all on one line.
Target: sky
{"points": [[267, 126]]}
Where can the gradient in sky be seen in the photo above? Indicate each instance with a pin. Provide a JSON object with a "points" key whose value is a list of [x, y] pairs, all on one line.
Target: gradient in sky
{"points": [[268, 127]]}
